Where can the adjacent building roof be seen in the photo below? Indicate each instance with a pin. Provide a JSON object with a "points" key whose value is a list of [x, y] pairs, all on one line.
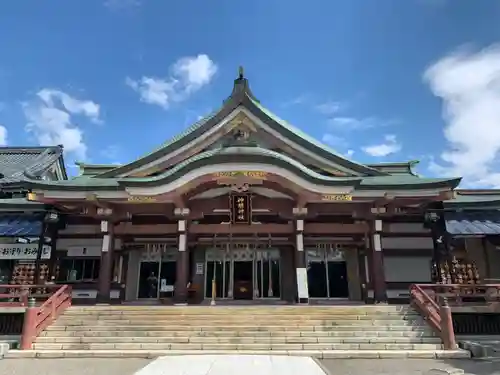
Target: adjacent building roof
{"points": [[20, 225], [473, 223], [17, 163]]}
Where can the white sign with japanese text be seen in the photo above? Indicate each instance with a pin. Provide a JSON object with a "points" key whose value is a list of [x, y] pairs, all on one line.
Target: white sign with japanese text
{"points": [[22, 251]]}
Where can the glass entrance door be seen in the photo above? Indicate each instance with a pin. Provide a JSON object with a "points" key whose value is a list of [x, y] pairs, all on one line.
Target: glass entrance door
{"points": [[243, 282], [168, 275], [218, 271], [327, 274], [268, 274], [243, 273]]}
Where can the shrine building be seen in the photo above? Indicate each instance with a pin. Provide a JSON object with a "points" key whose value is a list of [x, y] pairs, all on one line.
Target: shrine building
{"points": [[244, 206]]}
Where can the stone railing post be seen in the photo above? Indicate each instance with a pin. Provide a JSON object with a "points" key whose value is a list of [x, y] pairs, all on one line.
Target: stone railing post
{"points": [[29, 325], [447, 331]]}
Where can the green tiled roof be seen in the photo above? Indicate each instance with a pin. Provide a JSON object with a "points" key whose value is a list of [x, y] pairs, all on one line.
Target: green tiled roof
{"points": [[403, 179], [302, 134], [250, 154], [476, 200], [19, 202], [173, 140], [257, 151], [242, 96]]}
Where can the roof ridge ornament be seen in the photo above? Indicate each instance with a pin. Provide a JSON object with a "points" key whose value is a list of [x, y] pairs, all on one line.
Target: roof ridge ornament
{"points": [[241, 88]]}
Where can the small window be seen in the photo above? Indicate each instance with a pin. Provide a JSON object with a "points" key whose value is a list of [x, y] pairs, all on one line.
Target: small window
{"points": [[74, 270]]}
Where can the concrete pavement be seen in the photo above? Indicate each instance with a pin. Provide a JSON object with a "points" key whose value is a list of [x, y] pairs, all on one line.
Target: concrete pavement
{"points": [[126, 366]]}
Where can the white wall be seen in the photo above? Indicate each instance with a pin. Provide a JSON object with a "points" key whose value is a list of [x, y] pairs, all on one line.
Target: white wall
{"points": [[407, 269], [401, 243]]}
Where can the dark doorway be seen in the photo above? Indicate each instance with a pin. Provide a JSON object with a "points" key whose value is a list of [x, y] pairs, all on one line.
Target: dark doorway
{"points": [[148, 271], [337, 280], [243, 280], [316, 280]]}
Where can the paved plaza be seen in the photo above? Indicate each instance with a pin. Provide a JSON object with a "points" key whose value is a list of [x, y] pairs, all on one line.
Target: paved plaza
{"points": [[240, 365]]}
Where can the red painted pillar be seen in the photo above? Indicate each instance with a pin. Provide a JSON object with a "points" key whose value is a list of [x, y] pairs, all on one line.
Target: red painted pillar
{"points": [[447, 331], [28, 334]]}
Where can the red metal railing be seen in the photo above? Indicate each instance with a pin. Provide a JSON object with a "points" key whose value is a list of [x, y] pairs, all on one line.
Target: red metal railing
{"points": [[18, 295], [37, 318], [464, 294], [433, 302], [435, 311]]}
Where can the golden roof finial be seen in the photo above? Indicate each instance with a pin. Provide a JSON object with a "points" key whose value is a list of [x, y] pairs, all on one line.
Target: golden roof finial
{"points": [[240, 72]]}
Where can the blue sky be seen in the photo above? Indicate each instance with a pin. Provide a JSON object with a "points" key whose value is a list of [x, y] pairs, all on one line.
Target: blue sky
{"points": [[384, 80]]}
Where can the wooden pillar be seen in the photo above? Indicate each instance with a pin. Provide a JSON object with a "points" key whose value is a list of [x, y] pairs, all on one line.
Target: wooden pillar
{"points": [[53, 261], [377, 272], [182, 264], [105, 269], [300, 263]]}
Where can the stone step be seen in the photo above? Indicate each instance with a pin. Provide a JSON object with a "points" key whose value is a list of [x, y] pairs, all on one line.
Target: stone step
{"points": [[237, 312], [234, 320], [241, 340], [258, 308], [171, 334], [320, 354], [225, 346], [309, 326], [234, 317], [234, 328]]}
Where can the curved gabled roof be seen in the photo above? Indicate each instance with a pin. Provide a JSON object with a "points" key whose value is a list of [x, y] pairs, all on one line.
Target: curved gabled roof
{"points": [[242, 96], [250, 156]]}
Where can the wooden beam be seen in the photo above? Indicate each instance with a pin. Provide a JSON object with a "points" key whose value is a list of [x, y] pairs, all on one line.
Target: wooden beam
{"points": [[128, 228], [335, 229], [241, 229]]}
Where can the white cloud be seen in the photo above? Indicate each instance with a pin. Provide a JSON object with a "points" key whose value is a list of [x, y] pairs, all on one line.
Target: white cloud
{"points": [[187, 75], [468, 84], [352, 123], [3, 135], [122, 4], [298, 100], [51, 120], [390, 146], [329, 107], [349, 153], [334, 140], [111, 152]]}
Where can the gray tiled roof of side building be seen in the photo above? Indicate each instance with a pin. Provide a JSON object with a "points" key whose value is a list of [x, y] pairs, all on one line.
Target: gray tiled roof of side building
{"points": [[15, 162]]}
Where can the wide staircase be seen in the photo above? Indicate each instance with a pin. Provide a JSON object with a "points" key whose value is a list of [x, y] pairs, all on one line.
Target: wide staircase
{"points": [[319, 331]]}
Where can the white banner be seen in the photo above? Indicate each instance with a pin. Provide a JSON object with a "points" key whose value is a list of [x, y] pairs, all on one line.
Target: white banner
{"points": [[302, 287], [22, 251]]}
